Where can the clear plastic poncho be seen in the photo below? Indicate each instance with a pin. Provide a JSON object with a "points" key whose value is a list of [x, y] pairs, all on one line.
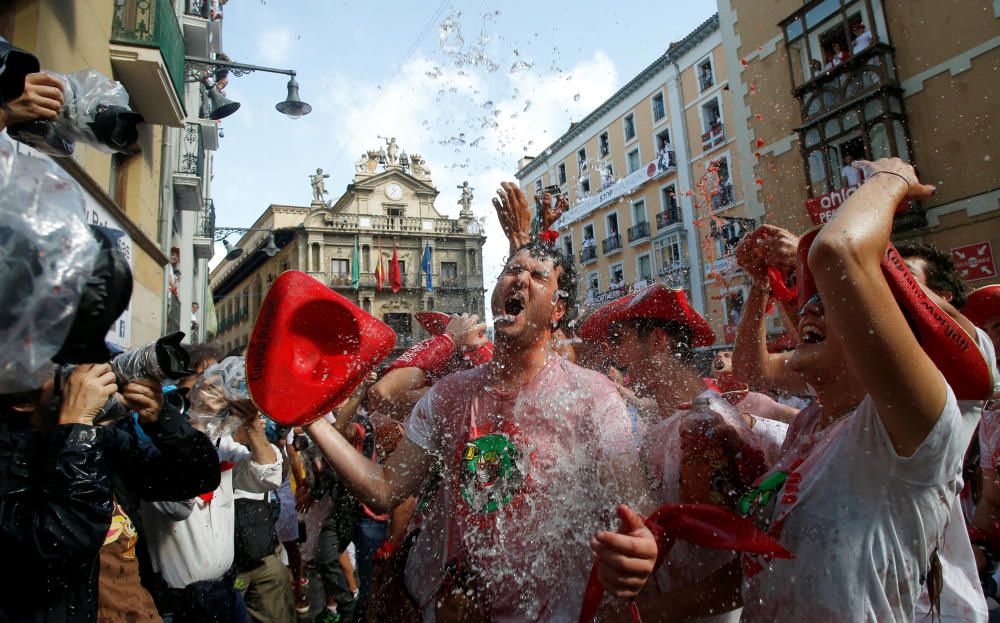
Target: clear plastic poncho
{"points": [[47, 253], [212, 394]]}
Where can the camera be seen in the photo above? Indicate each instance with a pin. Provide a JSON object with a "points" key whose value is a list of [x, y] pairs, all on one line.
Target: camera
{"points": [[161, 360], [95, 111]]}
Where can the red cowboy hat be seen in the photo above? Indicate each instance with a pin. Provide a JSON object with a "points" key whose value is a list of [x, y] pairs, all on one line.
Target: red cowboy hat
{"points": [[309, 349], [655, 302], [434, 322], [954, 352], [982, 305]]}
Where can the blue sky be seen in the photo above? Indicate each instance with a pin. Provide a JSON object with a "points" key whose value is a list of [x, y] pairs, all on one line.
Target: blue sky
{"points": [[521, 72]]}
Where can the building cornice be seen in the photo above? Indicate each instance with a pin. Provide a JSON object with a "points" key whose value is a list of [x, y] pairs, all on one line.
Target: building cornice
{"points": [[672, 55]]}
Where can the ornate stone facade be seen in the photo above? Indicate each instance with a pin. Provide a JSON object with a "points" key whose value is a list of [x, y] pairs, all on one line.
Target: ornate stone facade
{"points": [[389, 200]]}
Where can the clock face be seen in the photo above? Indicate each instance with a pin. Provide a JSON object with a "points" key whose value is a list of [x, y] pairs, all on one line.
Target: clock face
{"points": [[394, 192]]}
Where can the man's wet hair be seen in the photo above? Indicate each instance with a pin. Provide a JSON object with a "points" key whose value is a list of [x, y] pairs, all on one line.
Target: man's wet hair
{"points": [[940, 270], [209, 351], [681, 336], [566, 282]]}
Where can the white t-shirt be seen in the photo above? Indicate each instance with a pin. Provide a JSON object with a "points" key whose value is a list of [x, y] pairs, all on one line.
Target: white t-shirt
{"points": [[201, 546], [851, 175], [861, 42], [676, 480], [861, 520], [521, 492], [962, 599]]}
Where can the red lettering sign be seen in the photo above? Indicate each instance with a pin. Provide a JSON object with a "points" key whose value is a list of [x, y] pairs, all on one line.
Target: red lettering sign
{"points": [[974, 261]]}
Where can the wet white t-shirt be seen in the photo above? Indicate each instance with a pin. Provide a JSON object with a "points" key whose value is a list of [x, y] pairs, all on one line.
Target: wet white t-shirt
{"points": [[861, 520], [521, 492], [663, 446]]}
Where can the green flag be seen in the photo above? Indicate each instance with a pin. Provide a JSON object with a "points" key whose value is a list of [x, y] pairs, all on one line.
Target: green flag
{"points": [[355, 263]]}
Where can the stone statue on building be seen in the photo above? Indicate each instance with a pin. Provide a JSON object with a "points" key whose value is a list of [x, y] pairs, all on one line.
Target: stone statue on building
{"points": [[319, 186], [466, 199], [418, 166], [391, 151]]}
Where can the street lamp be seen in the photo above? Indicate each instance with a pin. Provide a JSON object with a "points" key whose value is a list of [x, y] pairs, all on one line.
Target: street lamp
{"points": [[293, 107], [221, 233]]}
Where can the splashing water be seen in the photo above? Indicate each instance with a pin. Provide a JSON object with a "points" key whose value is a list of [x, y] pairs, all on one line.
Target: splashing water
{"points": [[520, 66], [576, 98], [450, 34]]}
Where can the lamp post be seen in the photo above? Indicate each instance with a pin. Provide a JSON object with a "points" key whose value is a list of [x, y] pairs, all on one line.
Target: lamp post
{"points": [[292, 106], [221, 233]]}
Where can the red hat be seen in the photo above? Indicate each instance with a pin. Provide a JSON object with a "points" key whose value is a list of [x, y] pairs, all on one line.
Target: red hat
{"points": [[655, 302], [434, 322], [954, 352], [982, 305], [309, 349]]}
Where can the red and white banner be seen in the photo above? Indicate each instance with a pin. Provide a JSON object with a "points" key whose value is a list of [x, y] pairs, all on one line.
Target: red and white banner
{"points": [[975, 261], [821, 208]]}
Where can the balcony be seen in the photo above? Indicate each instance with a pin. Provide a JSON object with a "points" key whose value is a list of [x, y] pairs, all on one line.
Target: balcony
{"points": [[714, 137], [638, 232], [147, 55], [202, 34], [588, 254], [611, 244], [384, 223], [341, 280], [723, 196], [204, 236], [671, 216], [676, 276], [187, 178]]}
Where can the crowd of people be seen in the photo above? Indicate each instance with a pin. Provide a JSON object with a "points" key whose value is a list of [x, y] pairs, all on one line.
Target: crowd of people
{"points": [[572, 466]]}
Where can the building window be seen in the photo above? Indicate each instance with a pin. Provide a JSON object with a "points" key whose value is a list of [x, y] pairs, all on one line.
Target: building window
{"points": [[588, 249], [659, 107], [644, 268], [604, 144], [562, 172], [629, 125], [607, 173], [706, 76], [394, 211], [711, 122], [581, 159], [872, 127], [728, 231], [723, 196], [340, 272], [821, 38], [670, 213], [449, 274], [593, 286], [617, 274], [638, 211], [633, 160], [400, 323], [733, 301], [670, 253], [538, 187], [664, 150], [567, 239], [585, 185]]}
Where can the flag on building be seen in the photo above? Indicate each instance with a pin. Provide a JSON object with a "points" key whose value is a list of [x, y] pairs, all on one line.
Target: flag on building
{"points": [[379, 273], [425, 265], [395, 277], [355, 266]]}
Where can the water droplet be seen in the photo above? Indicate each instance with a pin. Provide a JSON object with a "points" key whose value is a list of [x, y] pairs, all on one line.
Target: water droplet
{"points": [[527, 105], [576, 98], [520, 66]]}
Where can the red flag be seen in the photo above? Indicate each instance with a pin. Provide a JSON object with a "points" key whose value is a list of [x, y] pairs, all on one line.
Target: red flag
{"points": [[379, 274], [395, 278]]}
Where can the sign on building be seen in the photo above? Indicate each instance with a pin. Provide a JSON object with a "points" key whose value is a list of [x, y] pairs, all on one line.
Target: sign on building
{"points": [[974, 261], [821, 208]]}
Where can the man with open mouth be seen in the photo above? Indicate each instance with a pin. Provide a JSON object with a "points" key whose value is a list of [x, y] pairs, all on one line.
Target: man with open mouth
{"points": [[536, 458]]}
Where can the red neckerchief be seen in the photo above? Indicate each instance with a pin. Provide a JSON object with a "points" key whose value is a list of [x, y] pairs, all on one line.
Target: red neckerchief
{"points": [[224, 466]]}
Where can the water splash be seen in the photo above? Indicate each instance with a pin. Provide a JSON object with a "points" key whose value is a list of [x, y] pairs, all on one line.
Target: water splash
{"points": [[520, 66]]}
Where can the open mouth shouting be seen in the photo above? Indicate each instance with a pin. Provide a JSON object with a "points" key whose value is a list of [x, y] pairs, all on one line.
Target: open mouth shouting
{"points": [[810, 333], [512, 308]]}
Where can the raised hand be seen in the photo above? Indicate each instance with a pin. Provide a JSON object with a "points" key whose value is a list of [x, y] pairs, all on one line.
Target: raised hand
{"points": [[764, 247], [550, 213], [514, 213]]}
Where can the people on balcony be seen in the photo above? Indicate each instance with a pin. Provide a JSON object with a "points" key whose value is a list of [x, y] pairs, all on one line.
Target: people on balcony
{"points": [[815, 68], [862, 38], [588, 242]]}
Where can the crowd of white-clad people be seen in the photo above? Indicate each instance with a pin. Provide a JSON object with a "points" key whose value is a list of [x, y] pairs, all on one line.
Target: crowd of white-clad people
{"points": [[606, 464]]}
